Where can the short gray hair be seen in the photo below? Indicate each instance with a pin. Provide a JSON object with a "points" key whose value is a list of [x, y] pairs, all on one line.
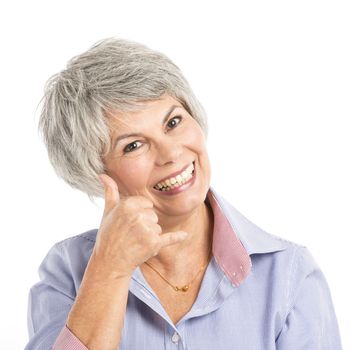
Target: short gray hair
{"points": [[114, 74]]}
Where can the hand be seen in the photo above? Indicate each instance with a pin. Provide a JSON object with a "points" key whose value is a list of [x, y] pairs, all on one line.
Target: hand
{"points": [[129, 233]]}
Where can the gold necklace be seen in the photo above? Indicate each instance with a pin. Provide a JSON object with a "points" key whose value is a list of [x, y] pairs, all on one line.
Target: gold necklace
{"points": [[186, 287]]}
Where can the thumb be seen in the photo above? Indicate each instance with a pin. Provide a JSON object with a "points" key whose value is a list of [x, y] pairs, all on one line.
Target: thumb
{"points": [[112, 196], [170, 238]]}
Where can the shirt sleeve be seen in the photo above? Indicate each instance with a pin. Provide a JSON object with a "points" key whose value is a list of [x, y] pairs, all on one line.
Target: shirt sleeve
{"points": [[49, 303], [311, 321], [68, 341]]}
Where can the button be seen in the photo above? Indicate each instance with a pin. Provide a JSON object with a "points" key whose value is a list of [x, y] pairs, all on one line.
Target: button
{"points": [[175, 338]]}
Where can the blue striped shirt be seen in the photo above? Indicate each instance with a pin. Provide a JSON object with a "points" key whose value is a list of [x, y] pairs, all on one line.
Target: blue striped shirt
{"points": [[259, 291]]}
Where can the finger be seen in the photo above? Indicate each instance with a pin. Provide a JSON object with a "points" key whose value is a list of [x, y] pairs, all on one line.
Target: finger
{"points": [[170, 238], [112, 196], [157, 229], [150, 215]]}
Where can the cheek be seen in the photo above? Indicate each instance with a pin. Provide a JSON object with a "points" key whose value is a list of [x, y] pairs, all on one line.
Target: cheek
{"points": [[195, 139], [127, 175], [197, 143]]}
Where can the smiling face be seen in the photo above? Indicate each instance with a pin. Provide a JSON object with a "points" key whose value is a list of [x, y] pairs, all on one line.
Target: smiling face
{"points": [[166, 140]]}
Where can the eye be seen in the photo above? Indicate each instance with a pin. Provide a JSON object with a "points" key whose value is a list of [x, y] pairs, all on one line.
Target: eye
{"points": [[172, 123], [131, 147]]}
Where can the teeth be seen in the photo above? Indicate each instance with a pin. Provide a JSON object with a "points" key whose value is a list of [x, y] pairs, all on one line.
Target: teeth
{"points": [[185, 174], [177, 180]]}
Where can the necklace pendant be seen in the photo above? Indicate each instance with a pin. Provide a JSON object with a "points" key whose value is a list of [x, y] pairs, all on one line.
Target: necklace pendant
{"points": [[182, 289]]}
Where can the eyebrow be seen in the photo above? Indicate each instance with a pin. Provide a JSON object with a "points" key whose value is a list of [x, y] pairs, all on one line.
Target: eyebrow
{"points": [[120, 137]]}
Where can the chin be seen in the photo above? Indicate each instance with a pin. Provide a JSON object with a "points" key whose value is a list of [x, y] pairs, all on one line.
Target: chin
{"points": [[185, 204]]}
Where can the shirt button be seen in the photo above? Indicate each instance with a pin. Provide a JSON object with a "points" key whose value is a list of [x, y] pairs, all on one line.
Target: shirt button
{"points": [[175, 338]]}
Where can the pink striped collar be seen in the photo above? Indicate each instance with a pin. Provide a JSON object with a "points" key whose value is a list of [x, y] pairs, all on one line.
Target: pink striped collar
{"points": [[235, 238]]}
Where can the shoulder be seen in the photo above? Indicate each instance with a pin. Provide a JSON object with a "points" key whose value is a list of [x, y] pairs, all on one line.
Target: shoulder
{"points": [[66, 260], [85, 237], [73, 247], [288, 258], [78, 245], [78, 248], [254, 239]]}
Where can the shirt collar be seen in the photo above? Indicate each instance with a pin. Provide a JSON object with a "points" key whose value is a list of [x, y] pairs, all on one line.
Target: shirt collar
{"points": [[235, 238]]}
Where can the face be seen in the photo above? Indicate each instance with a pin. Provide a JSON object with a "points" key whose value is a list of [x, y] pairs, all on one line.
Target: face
{"points": [[168, 141]]}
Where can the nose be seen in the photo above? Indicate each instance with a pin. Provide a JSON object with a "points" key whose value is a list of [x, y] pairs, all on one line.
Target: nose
{"points": [[168, 151]]}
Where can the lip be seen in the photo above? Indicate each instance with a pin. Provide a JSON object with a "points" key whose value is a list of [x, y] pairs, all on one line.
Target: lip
{"points": [[174, 174], [181, 188]]}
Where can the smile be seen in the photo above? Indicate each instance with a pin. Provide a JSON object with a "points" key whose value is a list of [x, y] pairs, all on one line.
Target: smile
{"points": [[176, 181]]}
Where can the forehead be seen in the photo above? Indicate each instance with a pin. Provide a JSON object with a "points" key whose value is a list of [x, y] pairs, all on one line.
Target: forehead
{"points": [[147, 112]]}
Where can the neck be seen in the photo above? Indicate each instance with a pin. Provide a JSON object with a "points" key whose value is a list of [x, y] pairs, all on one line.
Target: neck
{"points": [[192, 253]]}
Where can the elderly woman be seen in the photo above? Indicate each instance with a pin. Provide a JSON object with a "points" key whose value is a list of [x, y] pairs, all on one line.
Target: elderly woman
{"points": [[172, 265]]}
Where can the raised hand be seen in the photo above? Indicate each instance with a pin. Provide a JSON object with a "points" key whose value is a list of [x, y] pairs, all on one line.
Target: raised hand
{"points": [[129, 233]]}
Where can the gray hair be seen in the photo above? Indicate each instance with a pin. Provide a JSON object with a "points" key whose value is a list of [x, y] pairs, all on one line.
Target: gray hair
{"points": [[114, 74]]}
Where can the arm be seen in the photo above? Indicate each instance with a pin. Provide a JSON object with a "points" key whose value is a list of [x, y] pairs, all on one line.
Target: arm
{"points": [[50, 301], [59, 321], [128, 236], [310, 321], [97, 316]]}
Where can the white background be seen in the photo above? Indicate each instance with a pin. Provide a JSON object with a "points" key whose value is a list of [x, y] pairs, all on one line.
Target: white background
{"points": [[274, 78]]}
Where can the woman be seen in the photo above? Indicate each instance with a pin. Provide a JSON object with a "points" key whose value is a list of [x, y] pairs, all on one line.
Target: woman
{"points": [[172, 265]]}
